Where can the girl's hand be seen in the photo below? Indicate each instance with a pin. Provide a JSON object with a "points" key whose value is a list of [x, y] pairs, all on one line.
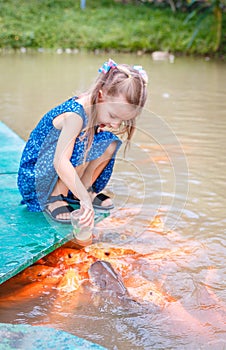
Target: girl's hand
{"points": [[87, 217]]}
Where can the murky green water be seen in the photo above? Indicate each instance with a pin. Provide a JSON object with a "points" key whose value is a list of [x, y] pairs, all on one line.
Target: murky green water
{"points": [[175, 169]]}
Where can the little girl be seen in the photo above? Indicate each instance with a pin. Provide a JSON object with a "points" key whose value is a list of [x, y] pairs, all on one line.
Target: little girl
{"points": [[69, 156]]}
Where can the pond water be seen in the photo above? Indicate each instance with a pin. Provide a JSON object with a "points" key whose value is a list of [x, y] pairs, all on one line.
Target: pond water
{"points": [[169, 193]]}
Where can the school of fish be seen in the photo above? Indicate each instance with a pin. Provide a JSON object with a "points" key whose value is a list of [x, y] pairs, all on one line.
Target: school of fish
{"points": [[101, 266]]}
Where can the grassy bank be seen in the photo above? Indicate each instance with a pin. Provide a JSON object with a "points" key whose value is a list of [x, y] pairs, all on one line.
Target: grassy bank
{"points": [[104, 25]]}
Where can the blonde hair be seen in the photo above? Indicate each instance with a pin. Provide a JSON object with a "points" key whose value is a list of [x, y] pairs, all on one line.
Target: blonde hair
{"points": [[121, 80]]}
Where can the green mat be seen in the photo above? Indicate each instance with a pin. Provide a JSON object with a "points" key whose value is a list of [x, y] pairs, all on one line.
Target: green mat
{"points": [[25, 337], [25, 236]]}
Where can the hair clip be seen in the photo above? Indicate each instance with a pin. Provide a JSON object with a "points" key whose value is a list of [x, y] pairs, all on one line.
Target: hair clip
{"points": [[141, 72], [107, 66]]}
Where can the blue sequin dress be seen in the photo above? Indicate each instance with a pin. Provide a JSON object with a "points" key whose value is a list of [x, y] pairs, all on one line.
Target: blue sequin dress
{"points": [[37, 176]]}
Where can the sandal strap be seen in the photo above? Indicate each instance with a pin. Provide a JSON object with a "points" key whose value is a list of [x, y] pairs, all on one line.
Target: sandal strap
{"points": [[53, 199], [62, 210], [100, 198]]}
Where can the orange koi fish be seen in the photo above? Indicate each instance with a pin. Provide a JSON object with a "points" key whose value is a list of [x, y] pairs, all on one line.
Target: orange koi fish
{"points": [[64, 257], [143, 290], [30, 283]]}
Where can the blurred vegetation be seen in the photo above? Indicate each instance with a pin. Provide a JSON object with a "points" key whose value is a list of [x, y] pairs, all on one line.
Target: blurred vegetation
{"points": [[202, 10], [128, 26]]}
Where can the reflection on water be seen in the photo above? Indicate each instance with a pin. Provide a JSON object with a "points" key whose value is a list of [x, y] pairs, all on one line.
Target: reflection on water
{"points": [[175, 169]]}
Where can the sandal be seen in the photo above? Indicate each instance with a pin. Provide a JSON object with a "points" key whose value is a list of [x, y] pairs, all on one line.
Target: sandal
{"points": [[98, 200], [60, 210]]}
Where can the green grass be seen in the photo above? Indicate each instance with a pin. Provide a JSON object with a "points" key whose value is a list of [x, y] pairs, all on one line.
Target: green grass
{"points": [[104, 25]]}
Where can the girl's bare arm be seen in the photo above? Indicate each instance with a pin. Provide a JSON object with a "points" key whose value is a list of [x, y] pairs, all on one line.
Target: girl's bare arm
{"points": [[71, 125]]}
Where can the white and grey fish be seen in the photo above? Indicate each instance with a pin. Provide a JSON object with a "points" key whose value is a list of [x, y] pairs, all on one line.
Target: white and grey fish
{"points": [[103, 276]]}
